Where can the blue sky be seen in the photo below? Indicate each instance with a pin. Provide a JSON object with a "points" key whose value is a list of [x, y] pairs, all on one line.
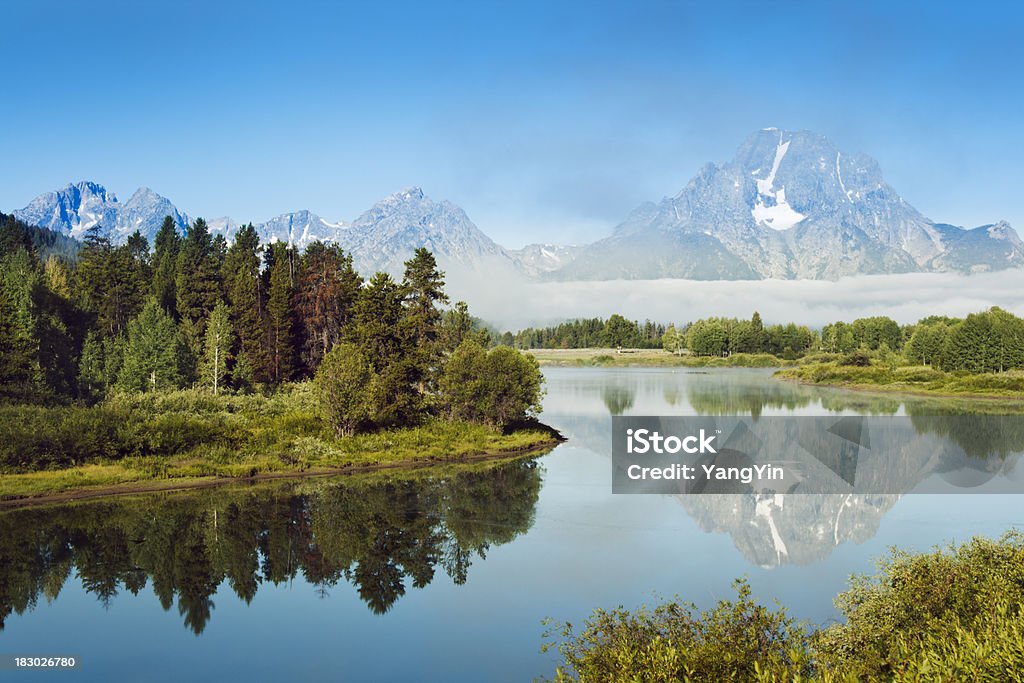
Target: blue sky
{"points": [[546, 121]]}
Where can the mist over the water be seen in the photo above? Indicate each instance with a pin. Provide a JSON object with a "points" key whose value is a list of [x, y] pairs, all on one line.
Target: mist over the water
{"points": [[510, 304]]}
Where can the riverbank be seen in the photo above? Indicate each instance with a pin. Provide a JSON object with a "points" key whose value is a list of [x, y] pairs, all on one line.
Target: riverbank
{"points": [[187, 438], [913, 380], [639, 358]]}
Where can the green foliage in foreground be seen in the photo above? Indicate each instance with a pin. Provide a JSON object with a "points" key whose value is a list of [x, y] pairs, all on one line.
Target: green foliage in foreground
{"points": [[943, 615], [191, 433]]}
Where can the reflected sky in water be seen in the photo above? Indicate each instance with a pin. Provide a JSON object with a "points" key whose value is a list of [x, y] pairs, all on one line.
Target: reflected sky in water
{"points": [[448, 577]]}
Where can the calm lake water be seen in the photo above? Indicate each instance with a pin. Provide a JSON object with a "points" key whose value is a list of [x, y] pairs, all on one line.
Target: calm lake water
{"points": [[447, 576]]}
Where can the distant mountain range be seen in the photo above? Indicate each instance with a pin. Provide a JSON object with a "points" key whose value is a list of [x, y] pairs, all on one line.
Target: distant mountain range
{"points": [[788, 206]]}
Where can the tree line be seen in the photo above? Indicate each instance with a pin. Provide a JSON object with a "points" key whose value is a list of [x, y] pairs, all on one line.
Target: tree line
{"points": [[987, 341], [615, 332], [197, 311]]}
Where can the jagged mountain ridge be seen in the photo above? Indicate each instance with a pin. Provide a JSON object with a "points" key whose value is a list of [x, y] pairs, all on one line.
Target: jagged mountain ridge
{"points": [[75, 208], [788, 205]]}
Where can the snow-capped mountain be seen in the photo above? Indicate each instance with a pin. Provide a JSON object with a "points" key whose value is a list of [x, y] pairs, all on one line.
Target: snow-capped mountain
{"points": [[535, 259], [789, 205], [385, 236], [74, 209]]}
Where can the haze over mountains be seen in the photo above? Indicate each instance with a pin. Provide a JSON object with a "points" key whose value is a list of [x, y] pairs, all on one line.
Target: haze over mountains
{"points": [[787, 206]]}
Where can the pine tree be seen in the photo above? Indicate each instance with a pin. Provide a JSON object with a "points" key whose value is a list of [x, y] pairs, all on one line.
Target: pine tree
{"points": [[280, 350], [326, 292], [457, 326], [217, 345], [243, 282], [197, 283], [423, 289], [19, 344], [166, 247], [128, 283], [154, 356], [381, 331]]}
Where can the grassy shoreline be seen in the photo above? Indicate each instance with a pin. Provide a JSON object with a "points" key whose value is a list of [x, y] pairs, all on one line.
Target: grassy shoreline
{"points": [[638, 358], [910, 380], [187, 438]]}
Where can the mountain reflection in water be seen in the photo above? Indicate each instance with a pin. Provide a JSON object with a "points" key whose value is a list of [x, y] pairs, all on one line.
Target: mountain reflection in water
{"points": [[774, 530]]}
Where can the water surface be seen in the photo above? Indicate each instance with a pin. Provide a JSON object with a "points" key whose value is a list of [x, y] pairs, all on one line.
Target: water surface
{"points": [[447, 576]]}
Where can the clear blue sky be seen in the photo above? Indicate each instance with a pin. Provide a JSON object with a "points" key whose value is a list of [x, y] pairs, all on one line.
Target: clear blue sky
{"points": [[546, 121]]}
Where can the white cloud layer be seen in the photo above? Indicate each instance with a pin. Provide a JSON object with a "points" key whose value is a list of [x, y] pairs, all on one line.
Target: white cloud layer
{"points": [[904, 297]]}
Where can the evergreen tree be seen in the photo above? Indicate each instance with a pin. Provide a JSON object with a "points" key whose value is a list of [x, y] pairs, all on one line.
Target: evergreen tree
{"points": [[327, 290], [19, 345], [456, 326], [423, 285], [197, 283], [166, 247], [246, 298], [155, 356], [619, 332], [423, 288], [217, 345], [381, 332], [280, 350]]}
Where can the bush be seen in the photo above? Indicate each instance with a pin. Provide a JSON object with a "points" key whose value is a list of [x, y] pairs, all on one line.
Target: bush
{"points": [[917, 604], [343, 388], [734, 641], [859, 358], [495, 388], [943, 615]]}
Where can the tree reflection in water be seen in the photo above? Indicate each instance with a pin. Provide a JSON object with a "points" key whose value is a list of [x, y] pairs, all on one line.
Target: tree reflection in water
{"points": [[380, 535]]}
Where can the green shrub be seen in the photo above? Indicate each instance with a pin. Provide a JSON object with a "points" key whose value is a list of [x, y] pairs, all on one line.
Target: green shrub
{"points": [[918, 600], [944, 615], [859, 358], [736, 640], [495, 388]]}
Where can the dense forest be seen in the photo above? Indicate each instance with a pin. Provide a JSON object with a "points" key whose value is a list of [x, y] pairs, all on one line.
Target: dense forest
{"points": [[194, 311]]}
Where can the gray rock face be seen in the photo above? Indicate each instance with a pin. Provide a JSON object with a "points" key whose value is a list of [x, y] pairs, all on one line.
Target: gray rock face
{"points": [[385, 236], [789, 205], [74, 209]]}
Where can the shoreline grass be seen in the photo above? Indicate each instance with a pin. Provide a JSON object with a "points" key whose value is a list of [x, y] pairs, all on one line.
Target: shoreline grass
{"points": [[185, 437], [913, 380], [633, 358]]}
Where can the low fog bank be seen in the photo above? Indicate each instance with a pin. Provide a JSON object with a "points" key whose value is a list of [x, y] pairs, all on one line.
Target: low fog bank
{"points": [[510, 304]]}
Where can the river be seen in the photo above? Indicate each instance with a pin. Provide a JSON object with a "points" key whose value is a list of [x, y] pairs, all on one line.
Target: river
{"points": [[448, 575]]}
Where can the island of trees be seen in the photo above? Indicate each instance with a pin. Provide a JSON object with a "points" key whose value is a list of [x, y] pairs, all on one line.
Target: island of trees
{"points": [[221, 354]]}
